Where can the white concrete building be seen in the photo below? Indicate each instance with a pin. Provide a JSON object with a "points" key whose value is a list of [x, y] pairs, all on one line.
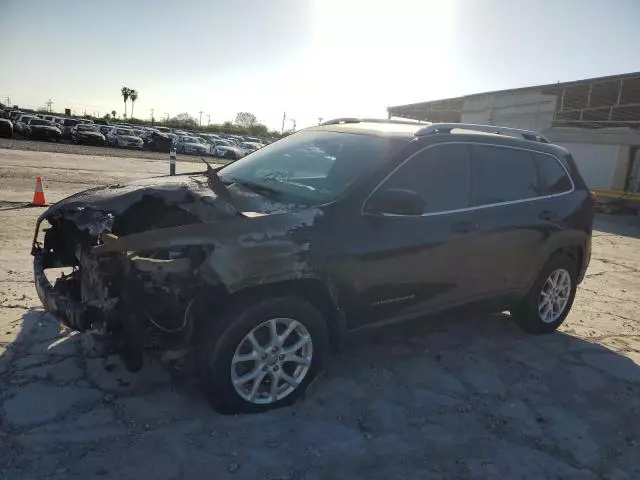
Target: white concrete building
{"points": [[597, 119]]}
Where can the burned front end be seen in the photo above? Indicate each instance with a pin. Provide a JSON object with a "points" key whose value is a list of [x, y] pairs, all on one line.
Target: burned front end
{"points": [[118, 261], [140, 262]]}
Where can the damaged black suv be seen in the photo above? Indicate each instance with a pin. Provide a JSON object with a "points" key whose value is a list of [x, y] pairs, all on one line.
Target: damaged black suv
{"points": [[262, 264]]}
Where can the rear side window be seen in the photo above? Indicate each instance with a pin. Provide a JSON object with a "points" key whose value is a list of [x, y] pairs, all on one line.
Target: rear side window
{"points": [[440, 174], [502, 175], [552, 176]]}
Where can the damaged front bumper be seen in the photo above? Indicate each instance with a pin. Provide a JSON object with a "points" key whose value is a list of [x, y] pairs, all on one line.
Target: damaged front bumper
{"points": [[74, 314], [135, 298]]}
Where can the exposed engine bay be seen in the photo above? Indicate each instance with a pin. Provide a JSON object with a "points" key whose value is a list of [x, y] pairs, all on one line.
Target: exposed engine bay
{"points": [[153, 289]]}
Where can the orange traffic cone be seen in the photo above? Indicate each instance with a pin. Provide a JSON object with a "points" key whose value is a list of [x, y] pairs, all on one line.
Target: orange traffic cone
{"points": [[38, 194]]}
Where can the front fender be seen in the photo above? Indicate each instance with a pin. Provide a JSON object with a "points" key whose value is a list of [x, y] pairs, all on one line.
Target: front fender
{"points": [[239, 267]]}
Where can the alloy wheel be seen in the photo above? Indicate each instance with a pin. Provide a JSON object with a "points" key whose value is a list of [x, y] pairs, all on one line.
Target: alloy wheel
{"points": [[271, 361], [554, 295]]}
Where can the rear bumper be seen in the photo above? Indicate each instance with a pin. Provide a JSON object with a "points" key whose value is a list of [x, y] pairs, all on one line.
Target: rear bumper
{"points": [[73, 314], [586, 260]]}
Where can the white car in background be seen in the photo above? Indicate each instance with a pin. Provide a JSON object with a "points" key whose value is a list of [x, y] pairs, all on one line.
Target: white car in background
{"points": [[122, 137], [226, 149], [251, 146], [192, 145]]}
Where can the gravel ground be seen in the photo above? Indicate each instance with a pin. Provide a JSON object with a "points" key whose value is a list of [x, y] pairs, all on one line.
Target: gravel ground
{"points": [[467, 396], [19, 143]]}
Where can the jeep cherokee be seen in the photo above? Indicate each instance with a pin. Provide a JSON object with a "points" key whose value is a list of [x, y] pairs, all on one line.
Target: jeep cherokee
{"points": [[264, 263]]}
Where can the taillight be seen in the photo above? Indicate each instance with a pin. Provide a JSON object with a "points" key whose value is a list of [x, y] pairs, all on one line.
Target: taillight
{"points": [[593, 197]]}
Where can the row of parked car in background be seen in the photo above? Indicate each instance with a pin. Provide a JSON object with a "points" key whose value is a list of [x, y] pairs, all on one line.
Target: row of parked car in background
{"points": [[38, 126]]}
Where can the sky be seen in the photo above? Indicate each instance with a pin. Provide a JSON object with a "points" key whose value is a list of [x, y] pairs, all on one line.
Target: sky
{"points": [[309, 58]]}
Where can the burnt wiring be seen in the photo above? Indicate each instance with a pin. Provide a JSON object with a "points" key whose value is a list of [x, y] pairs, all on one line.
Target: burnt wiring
{"points": [[185, 320]]}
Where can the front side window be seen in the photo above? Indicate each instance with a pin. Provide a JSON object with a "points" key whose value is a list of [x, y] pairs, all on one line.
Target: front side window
{"points": [[314, 166], [502, 174], [441, 175]]}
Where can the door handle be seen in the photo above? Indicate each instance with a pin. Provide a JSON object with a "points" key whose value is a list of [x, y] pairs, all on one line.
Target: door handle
{"points": [[464, 227], [547, 215]]}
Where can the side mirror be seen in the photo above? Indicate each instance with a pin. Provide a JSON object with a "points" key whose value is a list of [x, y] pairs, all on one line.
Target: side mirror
{"points": [[396, 201]]}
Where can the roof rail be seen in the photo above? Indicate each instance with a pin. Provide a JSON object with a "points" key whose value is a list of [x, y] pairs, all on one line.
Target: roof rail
{"points": [[510, 132], [337, 121]]}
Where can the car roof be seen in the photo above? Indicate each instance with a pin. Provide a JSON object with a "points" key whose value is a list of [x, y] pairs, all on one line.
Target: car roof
{"points": [[408, 129], [382, 129]]}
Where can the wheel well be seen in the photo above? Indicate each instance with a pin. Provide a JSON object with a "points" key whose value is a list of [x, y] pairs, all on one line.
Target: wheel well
{"points": [[574, 252], [312, 290]]}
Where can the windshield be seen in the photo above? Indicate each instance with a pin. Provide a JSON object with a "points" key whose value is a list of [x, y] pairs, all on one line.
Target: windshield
{"points": [[124, 131], [35, 121], [190, 140], [87, 128], [316, 166]]}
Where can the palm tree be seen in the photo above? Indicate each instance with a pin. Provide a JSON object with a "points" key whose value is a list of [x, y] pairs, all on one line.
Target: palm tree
{"points": [[133, 95], [113, 114], [125, 92]]}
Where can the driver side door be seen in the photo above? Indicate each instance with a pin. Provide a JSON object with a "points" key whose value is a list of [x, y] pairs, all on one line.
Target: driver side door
{"points": [[410, 264]]}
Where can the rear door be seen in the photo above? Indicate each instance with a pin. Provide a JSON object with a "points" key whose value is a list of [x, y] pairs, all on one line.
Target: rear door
{"points": [[514, 191], [411, 264]]}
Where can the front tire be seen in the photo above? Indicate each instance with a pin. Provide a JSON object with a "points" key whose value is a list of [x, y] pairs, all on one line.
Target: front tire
{"points": [[550, 299], [282, 340]]}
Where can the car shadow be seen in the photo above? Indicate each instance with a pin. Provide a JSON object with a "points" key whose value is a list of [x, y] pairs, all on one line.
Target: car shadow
{"points": [[623, 225], [446, 340], [443, 384]]}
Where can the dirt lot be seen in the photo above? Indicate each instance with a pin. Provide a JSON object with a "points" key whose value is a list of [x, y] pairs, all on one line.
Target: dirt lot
{"points": [[454, 397]]}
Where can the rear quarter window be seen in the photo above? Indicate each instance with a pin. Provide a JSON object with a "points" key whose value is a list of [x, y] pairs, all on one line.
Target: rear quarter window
{"points": [[553, 177]]}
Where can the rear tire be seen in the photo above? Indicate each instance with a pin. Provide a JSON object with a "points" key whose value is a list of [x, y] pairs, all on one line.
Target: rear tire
{"points": [[229, 338], [545, 308]]}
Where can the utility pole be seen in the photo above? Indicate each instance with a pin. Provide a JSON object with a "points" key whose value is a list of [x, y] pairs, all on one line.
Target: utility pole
{"points": [[152, 116], [208, 119], [200, 112], [320, 120], [284, 117], [8, 98]]}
